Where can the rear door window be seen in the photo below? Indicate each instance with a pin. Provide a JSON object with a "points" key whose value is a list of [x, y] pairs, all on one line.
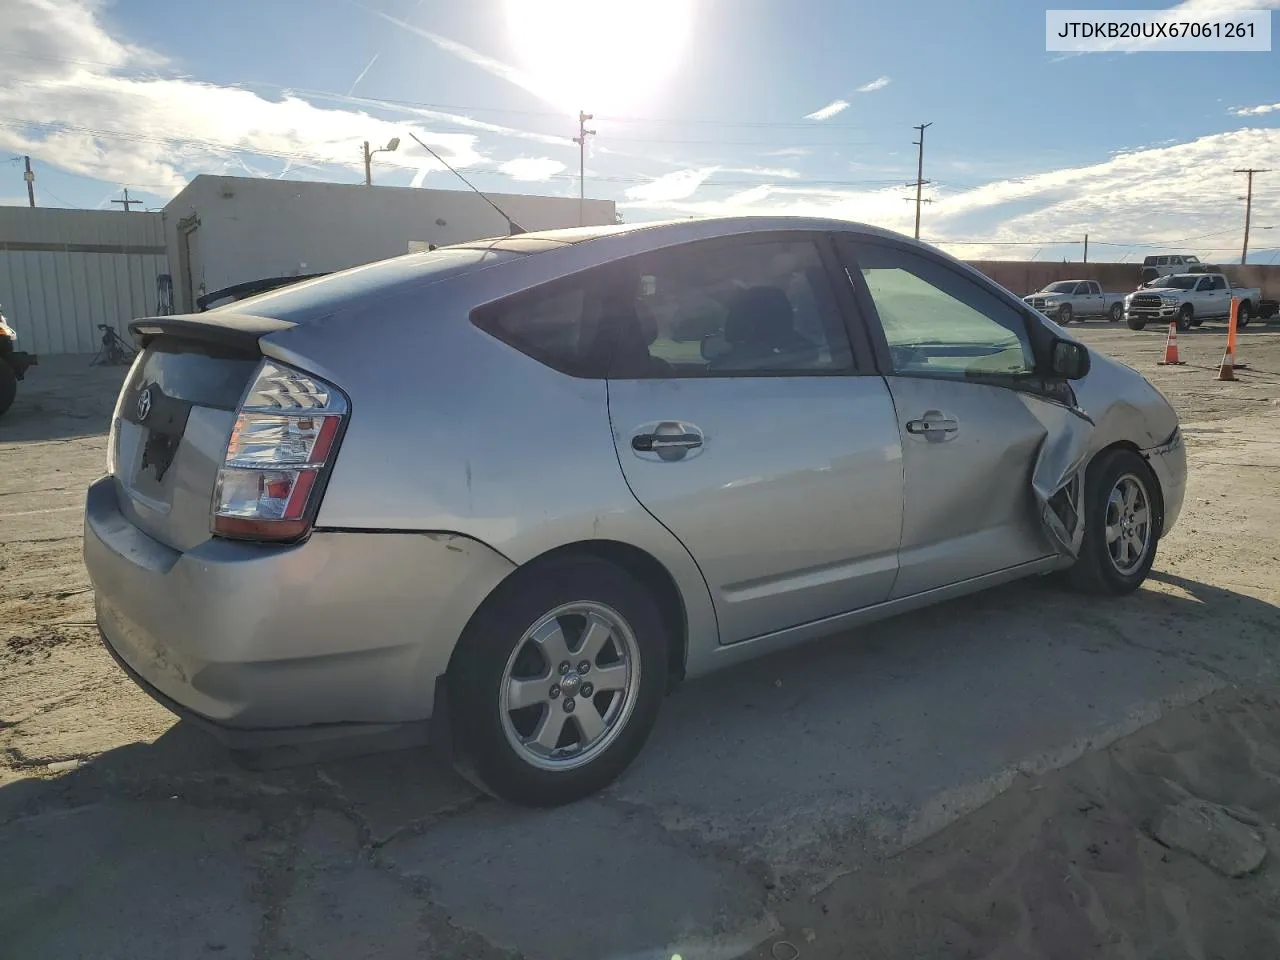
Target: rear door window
{"points": [[558, 324]]}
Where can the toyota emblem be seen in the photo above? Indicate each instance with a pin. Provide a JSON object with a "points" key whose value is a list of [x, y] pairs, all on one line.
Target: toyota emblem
{"points": [[144, 404]]}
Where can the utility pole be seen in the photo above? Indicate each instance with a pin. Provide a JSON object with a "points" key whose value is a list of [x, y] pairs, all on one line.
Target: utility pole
{"points": [[920, 180], [126, 202], [1086, 248], [31, 183], [581, 141], [1248, 209], [368, 165]]}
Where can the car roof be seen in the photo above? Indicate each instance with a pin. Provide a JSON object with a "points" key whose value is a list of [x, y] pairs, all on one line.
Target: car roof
{"points": [[664, 232]]}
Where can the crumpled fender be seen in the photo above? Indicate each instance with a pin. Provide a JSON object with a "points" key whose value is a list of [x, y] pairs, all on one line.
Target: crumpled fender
{"points": [[1057, 478]]}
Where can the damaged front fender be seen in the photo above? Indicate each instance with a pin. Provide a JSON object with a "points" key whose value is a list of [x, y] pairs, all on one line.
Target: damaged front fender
{"points": [[1057, 478]]}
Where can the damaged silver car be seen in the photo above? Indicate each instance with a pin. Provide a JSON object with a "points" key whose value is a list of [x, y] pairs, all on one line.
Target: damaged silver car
{"points": [[521, 488]]}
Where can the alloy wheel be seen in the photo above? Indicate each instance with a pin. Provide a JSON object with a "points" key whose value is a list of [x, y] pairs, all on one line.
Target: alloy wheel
{"points": [[1128, 524], [570, 685]]}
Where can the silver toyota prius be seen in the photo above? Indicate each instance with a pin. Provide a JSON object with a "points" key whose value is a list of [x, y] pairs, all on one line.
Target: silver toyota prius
{"points": [[523, 487]]}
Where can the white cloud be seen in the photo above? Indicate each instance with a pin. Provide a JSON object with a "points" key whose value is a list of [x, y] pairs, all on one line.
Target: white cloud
{"points": [[671, 187], [1146, 196], [531, 168], [1257, 111], [879, 83], [119, 121], [829, 111], [778, 173], [789, 152]]}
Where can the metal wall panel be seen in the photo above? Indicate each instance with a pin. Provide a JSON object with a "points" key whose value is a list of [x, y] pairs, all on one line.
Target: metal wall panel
{"points": [[64, 272]]}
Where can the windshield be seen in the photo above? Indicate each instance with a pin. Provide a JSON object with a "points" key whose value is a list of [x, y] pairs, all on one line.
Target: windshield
{"points": [[1062, 286], [1175, 282]]}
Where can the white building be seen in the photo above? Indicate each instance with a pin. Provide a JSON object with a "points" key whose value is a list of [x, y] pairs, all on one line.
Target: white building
{"points": [[221, 231], [65, 272]]}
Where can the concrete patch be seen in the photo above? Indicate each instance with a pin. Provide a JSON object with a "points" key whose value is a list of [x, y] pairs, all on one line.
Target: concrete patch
{"points": [[589, 880], [127, 881]]}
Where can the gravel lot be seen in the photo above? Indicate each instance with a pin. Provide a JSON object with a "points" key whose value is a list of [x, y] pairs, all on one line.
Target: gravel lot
{"points": [[774, 801]]}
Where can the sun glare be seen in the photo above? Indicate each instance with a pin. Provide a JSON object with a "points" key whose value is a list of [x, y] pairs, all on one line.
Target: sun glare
{"points": [[603, 56]]}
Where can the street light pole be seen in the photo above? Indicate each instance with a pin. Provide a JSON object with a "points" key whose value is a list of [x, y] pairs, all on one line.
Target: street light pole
{"points": [[392, 144], [581, 141]]}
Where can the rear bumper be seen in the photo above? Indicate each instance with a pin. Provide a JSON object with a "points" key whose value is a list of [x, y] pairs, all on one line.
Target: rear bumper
{"points": [[266, 645]]}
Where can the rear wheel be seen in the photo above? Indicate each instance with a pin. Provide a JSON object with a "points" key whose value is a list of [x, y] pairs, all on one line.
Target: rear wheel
{"points": [[1064, 314], [557, 682], [1117, 311], [1121, 525], [1185, 316], [1244, 313], [8, 386]]}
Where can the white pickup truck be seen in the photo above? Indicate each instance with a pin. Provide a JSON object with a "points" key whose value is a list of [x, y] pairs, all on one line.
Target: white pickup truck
{"points": [[1190, 299], [1068, 300]]}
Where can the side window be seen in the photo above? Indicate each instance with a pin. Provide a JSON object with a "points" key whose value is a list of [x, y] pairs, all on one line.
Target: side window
{"points": [[940, 323], [557, 324], [1162, 261], [1204, 283], [1219, 283], [718, 308]]}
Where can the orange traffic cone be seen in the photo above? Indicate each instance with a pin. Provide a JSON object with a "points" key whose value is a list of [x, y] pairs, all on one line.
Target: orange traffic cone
{"points": [[1227, 369], [1171, 348]]}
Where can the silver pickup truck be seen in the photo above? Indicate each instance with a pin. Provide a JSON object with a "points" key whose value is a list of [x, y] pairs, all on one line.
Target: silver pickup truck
{"points": [[1068, 300], [1190, 299]]}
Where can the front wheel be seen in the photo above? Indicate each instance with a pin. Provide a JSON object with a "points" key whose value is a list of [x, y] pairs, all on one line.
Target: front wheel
{"points": [[1121, 525], [1117, 311], [1064, 314], [1136, 323], [557, 681], [1185, 316]]}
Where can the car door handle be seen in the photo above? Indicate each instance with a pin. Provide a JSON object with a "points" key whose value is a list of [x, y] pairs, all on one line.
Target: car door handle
{"points": [[932, 427], [667, 440], [656, 443]]}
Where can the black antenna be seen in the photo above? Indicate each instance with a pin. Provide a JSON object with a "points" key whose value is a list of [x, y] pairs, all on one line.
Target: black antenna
{"points": [[512, 226]]}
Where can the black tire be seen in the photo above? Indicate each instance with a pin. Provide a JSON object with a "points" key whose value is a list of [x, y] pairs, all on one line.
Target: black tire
{"points": [[482, 751], [1136, 323], [1064, 314], [8, 386], [1117, 311], [1095, 570], [1185, 316], [1244, 313]]}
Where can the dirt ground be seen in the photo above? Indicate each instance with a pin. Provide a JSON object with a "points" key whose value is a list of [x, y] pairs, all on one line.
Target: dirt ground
{"points": [[979, 780]]}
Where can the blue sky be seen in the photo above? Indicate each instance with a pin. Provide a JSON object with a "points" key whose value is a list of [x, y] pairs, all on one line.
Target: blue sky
{"points": [[702, 107]]}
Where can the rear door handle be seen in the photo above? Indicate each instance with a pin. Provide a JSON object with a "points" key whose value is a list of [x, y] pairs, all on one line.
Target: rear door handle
{"points": [[933, 427], [670, 439]]}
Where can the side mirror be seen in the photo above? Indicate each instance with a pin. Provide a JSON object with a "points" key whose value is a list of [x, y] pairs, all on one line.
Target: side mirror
{"points": [[1069, 360]]}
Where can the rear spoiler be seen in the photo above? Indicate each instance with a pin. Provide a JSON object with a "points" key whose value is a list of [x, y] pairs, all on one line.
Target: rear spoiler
{"points": [[239, 331]]}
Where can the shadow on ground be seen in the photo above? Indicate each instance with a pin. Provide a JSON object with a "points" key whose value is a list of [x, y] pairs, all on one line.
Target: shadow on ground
{"points": [[61, 398], [758, 785]]}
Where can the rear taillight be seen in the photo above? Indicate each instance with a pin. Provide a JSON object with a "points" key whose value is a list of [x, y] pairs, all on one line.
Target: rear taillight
{"points": [[285, 434]]}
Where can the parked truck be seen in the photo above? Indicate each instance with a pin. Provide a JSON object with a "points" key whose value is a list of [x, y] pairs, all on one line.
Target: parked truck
{"points": [[1190, 299], [1068, 300], [13, 364]]}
